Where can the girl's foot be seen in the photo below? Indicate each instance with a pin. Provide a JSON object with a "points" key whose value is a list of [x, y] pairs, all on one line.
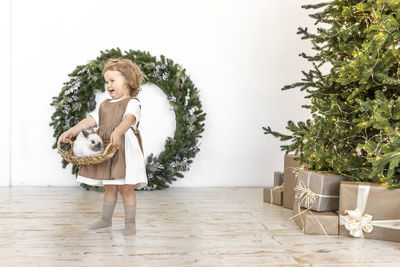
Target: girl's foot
{"points": [[130, 229], [106, 218], [100, 224]]}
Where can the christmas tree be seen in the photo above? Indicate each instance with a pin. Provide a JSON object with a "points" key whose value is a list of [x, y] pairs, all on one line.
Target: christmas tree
{"points": [[355, 125]]}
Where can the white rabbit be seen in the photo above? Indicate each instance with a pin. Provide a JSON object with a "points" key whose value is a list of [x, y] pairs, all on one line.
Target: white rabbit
{"points": [[88, 144]]}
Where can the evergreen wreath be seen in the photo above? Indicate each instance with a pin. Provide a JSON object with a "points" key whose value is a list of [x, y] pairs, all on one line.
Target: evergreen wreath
{"points": [[77, 98]]}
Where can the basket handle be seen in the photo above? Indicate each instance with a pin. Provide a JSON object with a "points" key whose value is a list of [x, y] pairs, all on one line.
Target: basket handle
{"points": [[108, 147]]}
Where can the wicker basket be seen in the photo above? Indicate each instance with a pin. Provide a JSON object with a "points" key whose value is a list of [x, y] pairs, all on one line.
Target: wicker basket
{"points": [[69, 156]]}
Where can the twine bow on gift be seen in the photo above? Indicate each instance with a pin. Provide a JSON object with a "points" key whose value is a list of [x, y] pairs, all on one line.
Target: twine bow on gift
{"points": [[306, 196], [357, 222]]}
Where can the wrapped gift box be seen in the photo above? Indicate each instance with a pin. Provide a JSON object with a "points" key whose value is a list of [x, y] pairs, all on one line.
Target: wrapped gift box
{"points": [[278, 178], [289, 180], [370, 211], [273, 195], [318, 191], [311, 222]]}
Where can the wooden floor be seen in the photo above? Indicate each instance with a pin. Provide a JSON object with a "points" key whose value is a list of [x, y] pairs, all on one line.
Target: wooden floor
{"points": [[47, 226]]}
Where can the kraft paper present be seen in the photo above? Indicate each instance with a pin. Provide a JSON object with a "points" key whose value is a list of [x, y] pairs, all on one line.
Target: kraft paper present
{"points": [[273, 195], [318, 191], [311, 222], [378, 207], [289, 180], [278, 178]]}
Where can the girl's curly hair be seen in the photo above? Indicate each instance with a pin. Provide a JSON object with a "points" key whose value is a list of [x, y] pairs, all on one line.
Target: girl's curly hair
{"points": [[129, 70]]}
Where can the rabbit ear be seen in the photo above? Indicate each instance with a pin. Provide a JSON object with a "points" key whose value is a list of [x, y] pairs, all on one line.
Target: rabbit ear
{"points": [[85, 133], [92, 131]]}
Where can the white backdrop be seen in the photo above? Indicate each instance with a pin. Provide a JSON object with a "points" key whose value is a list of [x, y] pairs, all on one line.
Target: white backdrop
{"points": [[238, 53]]}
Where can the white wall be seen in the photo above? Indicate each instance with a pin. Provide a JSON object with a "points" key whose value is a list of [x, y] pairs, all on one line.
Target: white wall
{"points": [[238, 53], [5, 50]]}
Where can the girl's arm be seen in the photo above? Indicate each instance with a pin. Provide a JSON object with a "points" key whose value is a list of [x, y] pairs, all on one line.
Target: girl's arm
{"points": [[121, 129], [86, 124], [125, 124]]}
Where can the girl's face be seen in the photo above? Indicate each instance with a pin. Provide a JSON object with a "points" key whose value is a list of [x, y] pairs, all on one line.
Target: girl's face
{"points": [[115, 84]]}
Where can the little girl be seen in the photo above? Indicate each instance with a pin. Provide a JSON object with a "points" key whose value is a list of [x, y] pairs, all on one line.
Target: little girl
{"points": [[118, 120]]}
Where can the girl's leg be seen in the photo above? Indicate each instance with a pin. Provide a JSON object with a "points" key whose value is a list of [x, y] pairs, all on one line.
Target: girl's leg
{"points": [[110, 193], [110, 199], [129, 198], [128, 194]]}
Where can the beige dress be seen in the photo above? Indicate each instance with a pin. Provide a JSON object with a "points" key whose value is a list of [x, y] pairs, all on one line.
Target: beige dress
{"points": [[127, 166]]}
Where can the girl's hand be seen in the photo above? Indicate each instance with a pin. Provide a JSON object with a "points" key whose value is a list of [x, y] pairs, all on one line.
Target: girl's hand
{"points": [[67, 135], [116, 138]]}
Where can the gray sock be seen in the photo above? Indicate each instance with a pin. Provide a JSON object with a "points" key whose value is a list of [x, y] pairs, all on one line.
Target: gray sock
{"points": [[130, 220], [106, 218]]}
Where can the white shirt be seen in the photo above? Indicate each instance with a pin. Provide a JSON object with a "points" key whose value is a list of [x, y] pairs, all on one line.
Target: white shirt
{"points": [[134, 159]]}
